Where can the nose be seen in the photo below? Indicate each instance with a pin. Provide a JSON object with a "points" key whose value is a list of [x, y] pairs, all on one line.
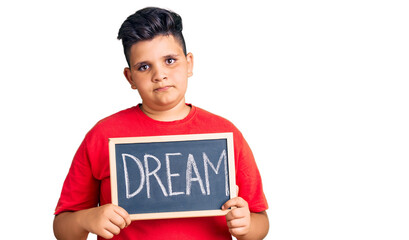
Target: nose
{"points": [[159, 74]]}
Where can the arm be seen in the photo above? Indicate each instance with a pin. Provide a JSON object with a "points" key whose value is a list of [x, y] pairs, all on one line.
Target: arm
{"points": [[105, 221], [244, 224]]}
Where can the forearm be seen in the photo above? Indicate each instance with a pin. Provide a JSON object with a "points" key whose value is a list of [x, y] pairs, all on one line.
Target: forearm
{"points": [[258, 227], [67, 226]]}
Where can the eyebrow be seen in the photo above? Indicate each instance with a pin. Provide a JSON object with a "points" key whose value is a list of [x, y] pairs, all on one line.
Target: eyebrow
{"points": [[171, 56]]}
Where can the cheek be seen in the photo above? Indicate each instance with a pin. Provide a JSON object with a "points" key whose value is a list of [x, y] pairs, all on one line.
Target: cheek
{"points": [[141, 82], [143, 88], [181, 76]]}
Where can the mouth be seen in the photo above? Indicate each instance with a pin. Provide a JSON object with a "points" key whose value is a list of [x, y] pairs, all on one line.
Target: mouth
{"points": [[162, 89]]}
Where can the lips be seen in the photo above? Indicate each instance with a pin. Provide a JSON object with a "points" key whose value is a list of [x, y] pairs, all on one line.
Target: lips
{"points": [[162, 89]]}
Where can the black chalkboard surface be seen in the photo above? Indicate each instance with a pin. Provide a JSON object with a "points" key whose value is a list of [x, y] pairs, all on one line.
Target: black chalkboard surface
{"points": [[172, 176]]}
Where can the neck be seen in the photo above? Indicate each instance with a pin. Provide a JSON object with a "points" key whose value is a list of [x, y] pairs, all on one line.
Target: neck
{"points": [[178, 112]]}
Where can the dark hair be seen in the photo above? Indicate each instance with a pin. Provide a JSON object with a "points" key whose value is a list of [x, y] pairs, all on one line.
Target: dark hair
{"points": [[148, 23]]}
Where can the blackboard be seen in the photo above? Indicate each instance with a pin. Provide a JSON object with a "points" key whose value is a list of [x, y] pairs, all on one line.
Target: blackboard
{"points": [[172, 176]]}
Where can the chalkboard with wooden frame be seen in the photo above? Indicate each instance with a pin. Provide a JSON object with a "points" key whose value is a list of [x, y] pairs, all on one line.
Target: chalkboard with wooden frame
{"points": [[172, 176]]}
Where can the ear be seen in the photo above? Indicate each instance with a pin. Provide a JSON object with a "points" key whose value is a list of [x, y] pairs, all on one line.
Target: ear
{"points": [[128, 76], [189, 58]]}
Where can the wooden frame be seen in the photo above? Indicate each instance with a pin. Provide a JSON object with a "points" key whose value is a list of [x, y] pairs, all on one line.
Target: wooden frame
{"points": [[113, 142]]}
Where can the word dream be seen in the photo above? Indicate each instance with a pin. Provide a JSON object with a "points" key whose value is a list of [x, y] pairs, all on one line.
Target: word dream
{"points": [[192, 173]]}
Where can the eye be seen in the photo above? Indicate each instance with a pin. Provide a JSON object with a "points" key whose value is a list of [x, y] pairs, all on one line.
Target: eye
{"points": [[143, 67], [170, 61]]}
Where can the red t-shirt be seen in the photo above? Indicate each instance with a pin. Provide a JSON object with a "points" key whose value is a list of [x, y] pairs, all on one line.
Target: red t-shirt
{"points": [[88, 181]]}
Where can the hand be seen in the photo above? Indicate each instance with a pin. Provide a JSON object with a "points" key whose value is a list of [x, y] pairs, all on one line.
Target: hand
{"points": [[106, 221], [238, 219]]}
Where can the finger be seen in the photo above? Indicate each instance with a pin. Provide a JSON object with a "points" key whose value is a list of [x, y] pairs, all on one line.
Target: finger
{"points": [[124, 214], [113, 229], [106, 234], [235, 202], [236, 213], [236, 223], [238, 231], [118, 220]]}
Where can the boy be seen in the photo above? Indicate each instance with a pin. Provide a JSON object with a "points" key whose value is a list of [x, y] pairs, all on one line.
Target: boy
{"points": [[159, 67]]}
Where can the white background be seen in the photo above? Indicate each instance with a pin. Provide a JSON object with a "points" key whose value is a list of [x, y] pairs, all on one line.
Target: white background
{"points": [[318, 88]]}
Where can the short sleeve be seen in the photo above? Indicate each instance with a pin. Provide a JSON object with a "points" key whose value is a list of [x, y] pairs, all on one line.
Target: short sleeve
{"points": [[80, 190], [248, 177]]}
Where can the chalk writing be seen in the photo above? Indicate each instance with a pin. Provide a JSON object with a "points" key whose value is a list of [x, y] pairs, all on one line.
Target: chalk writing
{"points": [[191, 172]]}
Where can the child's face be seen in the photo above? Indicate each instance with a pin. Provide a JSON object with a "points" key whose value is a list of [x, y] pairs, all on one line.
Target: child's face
{"points": [[159, 71]]}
